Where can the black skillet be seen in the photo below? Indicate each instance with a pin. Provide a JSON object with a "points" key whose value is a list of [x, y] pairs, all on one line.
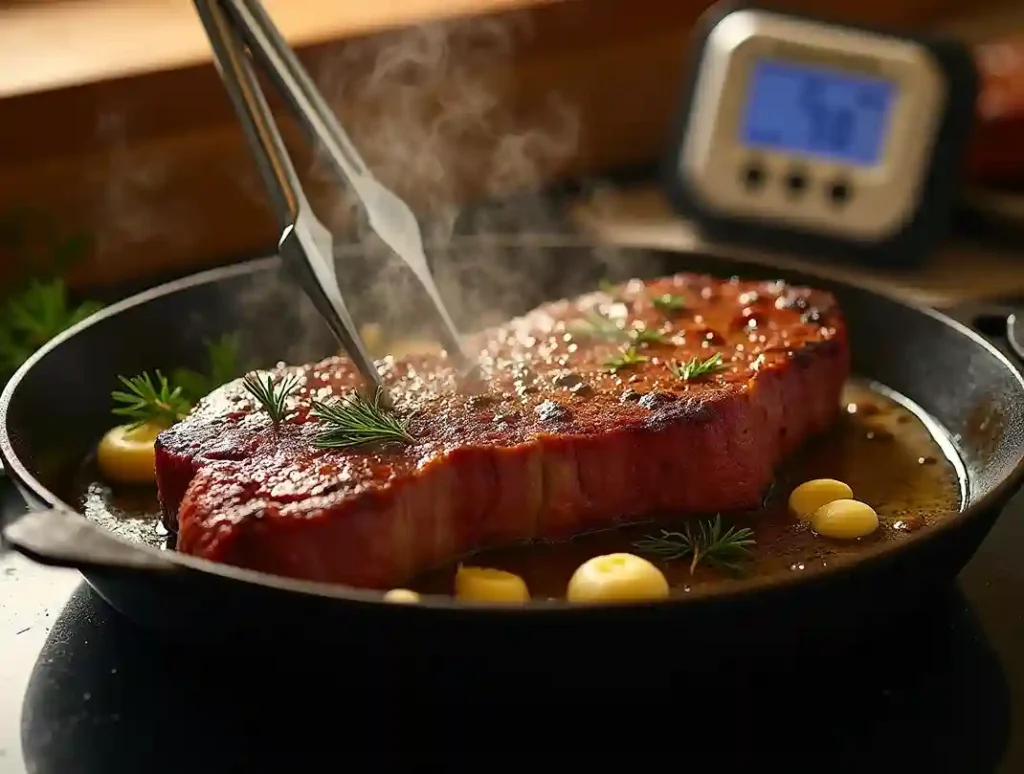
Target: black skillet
{"points": [[58, 404]]}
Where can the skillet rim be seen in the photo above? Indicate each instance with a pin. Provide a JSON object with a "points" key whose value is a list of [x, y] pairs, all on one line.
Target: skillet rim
{"points": [[173, 561]]}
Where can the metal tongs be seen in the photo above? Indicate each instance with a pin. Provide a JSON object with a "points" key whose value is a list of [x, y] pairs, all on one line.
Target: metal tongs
{"points": [[305, 245]]}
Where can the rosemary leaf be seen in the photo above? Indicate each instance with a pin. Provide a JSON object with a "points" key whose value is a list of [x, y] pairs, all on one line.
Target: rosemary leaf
{"points": [[628, 358], [354, 421], [223, 365], [667, 303], [273, 398], [695, 369], [146, 400], [32, 316], [704, 541], [597, 326]]}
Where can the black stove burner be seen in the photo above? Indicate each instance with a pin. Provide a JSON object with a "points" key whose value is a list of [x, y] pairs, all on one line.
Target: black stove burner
{"points": [[96, 694], [105, 697]]}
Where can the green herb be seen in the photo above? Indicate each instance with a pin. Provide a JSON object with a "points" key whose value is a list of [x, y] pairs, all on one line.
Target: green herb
{"points": [[668, 303], [609, 288], [596, 326], [145, 400], [706, 542], [34, 315], [166, 401], [36, 308], [355, 421], [628, 358], [272, 397], [223, 365], [695, 369]]}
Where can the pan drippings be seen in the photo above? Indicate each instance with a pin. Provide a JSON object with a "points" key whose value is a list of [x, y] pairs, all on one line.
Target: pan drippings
{"points": [[879, 447]]}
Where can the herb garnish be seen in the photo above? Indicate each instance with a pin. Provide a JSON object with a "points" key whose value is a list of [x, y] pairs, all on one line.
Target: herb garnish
{"points": [[695, 369], [354, 421], [667, 303], [705, 543], [598, 326], [146, 401], [223, 365], [628, 358], [166, 401], [271, 397]]}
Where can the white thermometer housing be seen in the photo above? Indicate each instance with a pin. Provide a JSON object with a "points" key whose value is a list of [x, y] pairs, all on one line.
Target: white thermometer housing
{"points": [[807, 136]]}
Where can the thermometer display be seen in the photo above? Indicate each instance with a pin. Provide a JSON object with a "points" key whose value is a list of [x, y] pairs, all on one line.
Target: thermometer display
{"points": [[817, 111]]}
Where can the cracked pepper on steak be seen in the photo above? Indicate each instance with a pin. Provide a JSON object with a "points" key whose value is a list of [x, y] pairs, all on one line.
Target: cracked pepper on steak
{"points": [[549, 443]]}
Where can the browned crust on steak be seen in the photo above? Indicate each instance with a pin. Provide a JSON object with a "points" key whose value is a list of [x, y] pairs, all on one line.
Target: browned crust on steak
{"points": [[552, 444]]}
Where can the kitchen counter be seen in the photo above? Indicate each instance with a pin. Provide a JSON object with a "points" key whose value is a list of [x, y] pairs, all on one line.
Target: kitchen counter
{"points": [[961, 272]]}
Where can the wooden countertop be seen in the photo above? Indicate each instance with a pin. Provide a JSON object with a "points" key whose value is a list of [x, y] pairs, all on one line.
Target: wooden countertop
{"points": [[56, 43], [116, 127], [958, 273]]}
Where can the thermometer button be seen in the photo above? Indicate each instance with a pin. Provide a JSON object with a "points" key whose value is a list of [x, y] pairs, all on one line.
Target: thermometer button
{"points": [[753, 176], [796, 182], [839, 192]]}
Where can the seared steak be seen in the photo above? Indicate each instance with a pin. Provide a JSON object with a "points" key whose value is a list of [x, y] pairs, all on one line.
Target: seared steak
{"points": [[562, 435]]}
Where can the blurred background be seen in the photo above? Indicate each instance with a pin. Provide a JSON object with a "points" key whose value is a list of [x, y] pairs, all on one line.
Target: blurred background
{"points": [[122, 163]]}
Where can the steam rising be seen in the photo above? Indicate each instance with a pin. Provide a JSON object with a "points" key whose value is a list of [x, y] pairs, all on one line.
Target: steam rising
{"points": [[431, 121], [132, 192]]}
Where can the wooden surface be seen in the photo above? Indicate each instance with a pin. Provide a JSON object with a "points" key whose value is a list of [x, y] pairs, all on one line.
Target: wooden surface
{"points": [[49, 44], [154, 169], [642, 218]]}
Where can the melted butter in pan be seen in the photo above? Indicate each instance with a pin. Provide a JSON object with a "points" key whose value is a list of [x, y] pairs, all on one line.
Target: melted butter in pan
{"points": [[879, 446], [888, 455]]}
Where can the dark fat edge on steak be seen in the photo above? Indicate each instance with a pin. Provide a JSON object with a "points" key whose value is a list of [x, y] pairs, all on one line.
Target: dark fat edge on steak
{"points": [[552, 442]]}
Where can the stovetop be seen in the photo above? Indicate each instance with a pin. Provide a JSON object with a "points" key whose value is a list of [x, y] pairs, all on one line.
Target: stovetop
{"points": [[82, 691]]}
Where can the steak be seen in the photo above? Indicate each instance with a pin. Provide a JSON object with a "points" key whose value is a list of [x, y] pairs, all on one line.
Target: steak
{"points": [[562, 434]]}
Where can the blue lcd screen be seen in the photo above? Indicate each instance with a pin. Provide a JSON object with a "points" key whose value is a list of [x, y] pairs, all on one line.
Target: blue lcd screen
{"points": [[815, 111]]}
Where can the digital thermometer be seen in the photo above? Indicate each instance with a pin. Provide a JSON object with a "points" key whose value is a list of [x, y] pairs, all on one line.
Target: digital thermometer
{"points": [[811, 137]]}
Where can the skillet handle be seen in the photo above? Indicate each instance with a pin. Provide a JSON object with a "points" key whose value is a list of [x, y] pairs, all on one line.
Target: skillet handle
{"points": [[59, 538], [1001, 324]]}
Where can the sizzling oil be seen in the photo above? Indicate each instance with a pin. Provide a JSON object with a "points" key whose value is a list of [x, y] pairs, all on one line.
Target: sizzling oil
{"points": [[879, 447]]}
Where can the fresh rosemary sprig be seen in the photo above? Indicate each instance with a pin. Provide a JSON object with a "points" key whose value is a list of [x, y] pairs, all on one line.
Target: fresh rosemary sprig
{"points": [[148, 401], [166, 401], [597, 326], [223, 365], [706, 542], [354, 421], [37, 306], [667, 303], [33, 315], [273, 398], [695, 369], [628, 358]]}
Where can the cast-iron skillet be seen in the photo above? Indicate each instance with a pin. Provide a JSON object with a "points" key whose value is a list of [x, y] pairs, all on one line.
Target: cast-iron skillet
{"points": [[58, 404]]}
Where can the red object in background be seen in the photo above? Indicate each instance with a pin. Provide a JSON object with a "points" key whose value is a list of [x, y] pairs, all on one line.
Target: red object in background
{"points": [[996, 153]]}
